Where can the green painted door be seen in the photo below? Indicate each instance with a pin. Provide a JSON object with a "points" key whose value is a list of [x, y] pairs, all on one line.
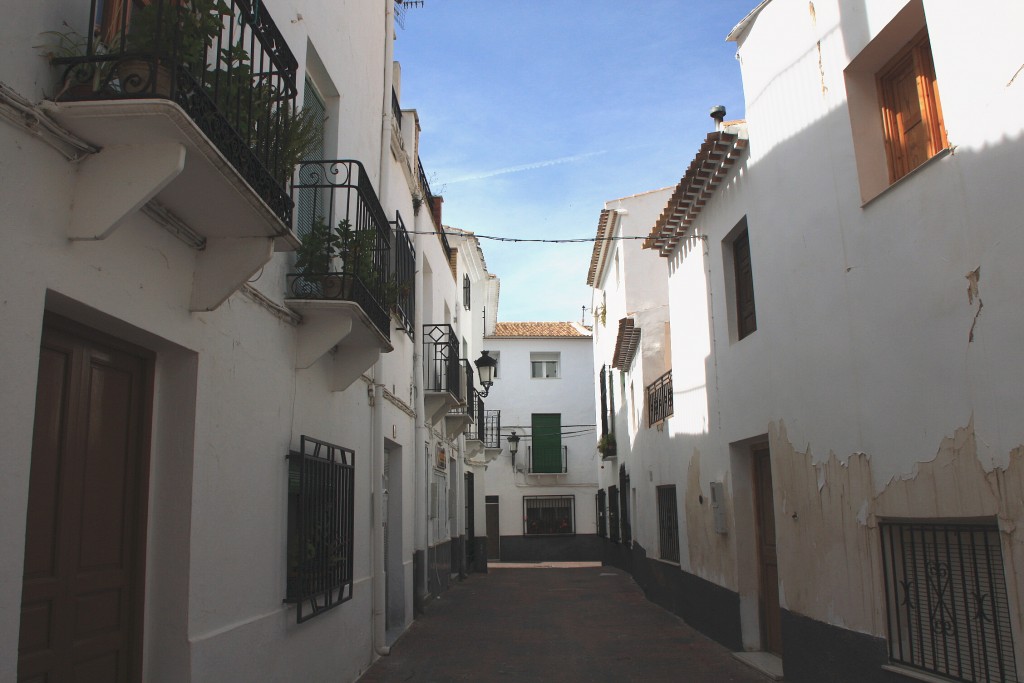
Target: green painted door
{"points": [[547, 443]]}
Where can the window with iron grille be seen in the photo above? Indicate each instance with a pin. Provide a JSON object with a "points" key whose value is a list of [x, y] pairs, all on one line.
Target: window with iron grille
{"points": [[604, 400], [545, 515], [613, 513], [321, 507], [466, 292], [659, 399], [946, 602], [668, 524]]}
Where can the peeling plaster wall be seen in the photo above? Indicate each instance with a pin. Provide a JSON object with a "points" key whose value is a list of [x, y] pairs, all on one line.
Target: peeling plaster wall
{"points": [[884, 373]]}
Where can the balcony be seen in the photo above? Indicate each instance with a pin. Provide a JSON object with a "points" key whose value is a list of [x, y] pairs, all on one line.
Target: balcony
{"points": [[443, 372], [547, 462], [660, 405], [405, 274], [193, 107], [344, 286], [463, 415]]}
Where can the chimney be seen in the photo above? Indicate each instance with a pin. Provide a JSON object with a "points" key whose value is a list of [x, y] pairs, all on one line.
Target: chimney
{"points": [[718, 114]]}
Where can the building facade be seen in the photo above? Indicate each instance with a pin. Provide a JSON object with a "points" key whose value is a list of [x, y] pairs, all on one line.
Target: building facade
{"points": [[843, 452], [218, 458], [540, 500]]}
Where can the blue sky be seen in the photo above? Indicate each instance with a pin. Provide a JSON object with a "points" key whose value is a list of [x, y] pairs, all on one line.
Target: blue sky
{"points": [[536, 112]]}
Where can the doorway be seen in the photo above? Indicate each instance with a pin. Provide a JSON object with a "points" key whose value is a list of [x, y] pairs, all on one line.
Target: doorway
{"points": [[85, 536], [394, 584], [768, 566], [493, 533]]}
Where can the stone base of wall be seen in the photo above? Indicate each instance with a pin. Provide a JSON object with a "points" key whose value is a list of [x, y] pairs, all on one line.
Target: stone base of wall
{"points": [[479, 555], [576, 548], [439, 567], [814, 651]]}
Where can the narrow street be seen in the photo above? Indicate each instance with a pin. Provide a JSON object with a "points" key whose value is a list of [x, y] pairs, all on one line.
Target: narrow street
{"points": [[554, 624]]}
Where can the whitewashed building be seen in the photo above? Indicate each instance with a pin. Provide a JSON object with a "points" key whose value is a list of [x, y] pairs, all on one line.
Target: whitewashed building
{"points": [[540, 501], [218, 458], [845, 453]]}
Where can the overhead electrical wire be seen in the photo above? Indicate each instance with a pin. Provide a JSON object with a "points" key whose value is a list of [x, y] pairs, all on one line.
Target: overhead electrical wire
{"points": [[496, 238]]}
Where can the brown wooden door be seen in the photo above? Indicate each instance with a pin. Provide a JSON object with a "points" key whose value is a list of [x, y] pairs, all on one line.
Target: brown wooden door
{"points": [[85, 532], [493, 533], [771, 621]]}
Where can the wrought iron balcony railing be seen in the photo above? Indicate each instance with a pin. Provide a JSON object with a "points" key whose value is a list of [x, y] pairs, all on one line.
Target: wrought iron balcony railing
{"points": [[223, 61], [396, 109], [659, 399], [441, 360], [468, 391], [477, 407], [346, 251], [405, 275], [492, 429], [543, 463]]}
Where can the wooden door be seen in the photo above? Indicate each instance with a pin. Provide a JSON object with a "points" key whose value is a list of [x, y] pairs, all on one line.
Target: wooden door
{"points": [[493, 533], [81, 611], [771, 621]]}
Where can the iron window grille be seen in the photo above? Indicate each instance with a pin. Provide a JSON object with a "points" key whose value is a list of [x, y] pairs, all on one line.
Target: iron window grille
{"points": [[229, 68], [602, 529], [405, 276], [613, 513], [466, 290], [604, 400], [321, 509], [344, 199], [549, 515], [492, 429], [946, 602], [668, 523], [441, 359], [659, 399]]}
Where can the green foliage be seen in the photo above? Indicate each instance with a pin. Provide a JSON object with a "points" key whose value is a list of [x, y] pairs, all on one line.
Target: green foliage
{"points": [[320, 244], [194, 25], [70, 44], [607, 445]]}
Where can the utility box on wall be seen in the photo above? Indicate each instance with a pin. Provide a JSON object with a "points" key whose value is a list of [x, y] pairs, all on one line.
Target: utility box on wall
{"points": [[718, 506]]}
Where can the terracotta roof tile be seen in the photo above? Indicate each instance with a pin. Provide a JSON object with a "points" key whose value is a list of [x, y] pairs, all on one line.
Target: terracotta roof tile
{"points": [[540, 329]]}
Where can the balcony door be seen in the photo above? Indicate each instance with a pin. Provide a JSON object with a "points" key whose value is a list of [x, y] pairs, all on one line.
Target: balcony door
{"points": [[82, 591]]}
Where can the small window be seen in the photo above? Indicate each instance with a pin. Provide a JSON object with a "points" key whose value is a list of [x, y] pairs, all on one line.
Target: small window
{"points": [[547, 515], [911, 113], [544, 365], [946, 600], [660, 402], [321, 510], [668, 524], [466, 287], [746, 317]]}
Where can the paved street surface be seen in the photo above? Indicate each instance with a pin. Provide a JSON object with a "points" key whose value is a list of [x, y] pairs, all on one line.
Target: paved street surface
{"points": [[554, 624]]}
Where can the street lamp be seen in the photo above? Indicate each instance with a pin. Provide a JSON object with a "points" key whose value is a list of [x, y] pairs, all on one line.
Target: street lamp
{"points": [[485, 366], [513, 444]]}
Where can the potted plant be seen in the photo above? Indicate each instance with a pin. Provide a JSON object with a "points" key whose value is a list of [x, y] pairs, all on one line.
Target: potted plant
{"points": [[606, 444], [165, 34], [320, 246], [82, 79]]}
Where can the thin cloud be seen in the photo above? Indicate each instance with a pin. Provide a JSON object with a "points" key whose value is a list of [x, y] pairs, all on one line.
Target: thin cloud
{"points": [[524, 167]]}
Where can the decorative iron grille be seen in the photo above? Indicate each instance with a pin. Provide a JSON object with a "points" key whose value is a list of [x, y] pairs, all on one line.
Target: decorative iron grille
{"points": [[492, 429], [346, 205], [468, 390], [428, 199], [627, 530], [477, 412], [659, 399], [224, 62], [613, 513], [668, 523], [467, 287], [604, 400], [602, 529], [946, 600], [321, 509], [396, 109], [547, 515], [441, 359], [405, 276]]}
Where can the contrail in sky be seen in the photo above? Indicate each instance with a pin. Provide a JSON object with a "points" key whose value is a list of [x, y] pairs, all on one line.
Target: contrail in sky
{"points": [[524, 167]]}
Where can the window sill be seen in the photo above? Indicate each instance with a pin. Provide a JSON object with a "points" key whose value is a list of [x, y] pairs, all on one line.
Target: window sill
{"points": [[941, 154], [914, 674]]}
